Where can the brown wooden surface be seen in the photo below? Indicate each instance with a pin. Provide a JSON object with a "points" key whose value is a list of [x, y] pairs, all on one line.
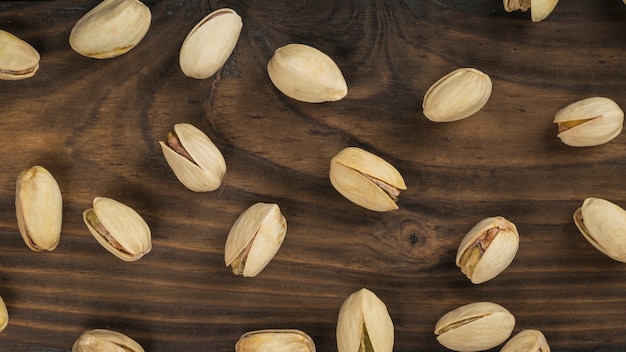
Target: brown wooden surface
{"points": [[95, 124]]}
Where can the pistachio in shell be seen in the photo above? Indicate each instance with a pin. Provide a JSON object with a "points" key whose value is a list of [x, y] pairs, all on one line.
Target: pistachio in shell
{"points": [[4, 315], [527, 341], [589, 122], [275, 340], [539, 9], [603, 224], [18, 59], [104, 340]]}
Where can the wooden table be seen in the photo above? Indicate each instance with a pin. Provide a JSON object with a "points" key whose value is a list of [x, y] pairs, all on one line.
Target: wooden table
{"points": [[95, 124]]}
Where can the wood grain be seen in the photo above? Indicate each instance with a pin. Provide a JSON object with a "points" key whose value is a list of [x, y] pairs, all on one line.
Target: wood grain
{"points": [[95, 124]]}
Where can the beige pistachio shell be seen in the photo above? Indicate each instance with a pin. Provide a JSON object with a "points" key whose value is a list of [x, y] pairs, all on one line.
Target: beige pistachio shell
{"points": [[118, 228], [457, 95], [4, 315], [589, 122], [539, 9], [364, 324], [279, 340], [209, 44], [476, 326], [39, 208], [366, 179], [101, 340], [304, 73], [603, 224], [487, 249], [196, 161], [254, 239], [110, 29], [527, 341], [18, 59]]}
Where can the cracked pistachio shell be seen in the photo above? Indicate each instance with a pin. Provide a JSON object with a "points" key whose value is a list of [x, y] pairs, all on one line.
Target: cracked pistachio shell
{"points": [[101, 340], [457, 95], [18, 59], [487, 249], [476, 326], [603, 224], [110, 29], [194, 158], [118, 228], [210, 43], [306, 74], [366, 179], [39, 209], [589, 122], [279, 340], [4, 315], [539, 9], [527, 341], [364, 324], [254, 239]]}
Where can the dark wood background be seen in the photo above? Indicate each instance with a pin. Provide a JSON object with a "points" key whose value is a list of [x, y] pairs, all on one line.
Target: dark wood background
{"points": [[95, 124]]}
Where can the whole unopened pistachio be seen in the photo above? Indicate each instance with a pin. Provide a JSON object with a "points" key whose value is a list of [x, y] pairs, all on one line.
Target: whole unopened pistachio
{"points": [[487, 249], [209, 44], [366, 179], [304, 73], [280, 340], [603, 224], [589, 122], [18, 59], [476, 326], [539, 10], [39, 208], [364, 324], [118, 228], [4, 315], [527, 341], [101, 340], [110, 29], [194, 158], [254, 239], [457, 95]]}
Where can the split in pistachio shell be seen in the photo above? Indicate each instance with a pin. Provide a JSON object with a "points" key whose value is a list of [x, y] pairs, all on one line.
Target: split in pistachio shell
{"points": [[589, 122], [364, 324], [487, 249], [366, 179], [306, 74], [118, 228], [279, 340], [254, 239], [4, 315], [539, 9], [473, 327], [196, 161], [209, 44], [18, 59], [527, 341], [110, 29], [603, 224], [39, 208], [101, 340]]}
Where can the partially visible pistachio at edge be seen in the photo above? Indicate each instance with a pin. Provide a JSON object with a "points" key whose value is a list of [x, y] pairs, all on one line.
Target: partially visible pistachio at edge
{"points": [[603, 224], [103, 340], [275, 340], [527, 341], [18, 59], [4, 315], [539, 9]]}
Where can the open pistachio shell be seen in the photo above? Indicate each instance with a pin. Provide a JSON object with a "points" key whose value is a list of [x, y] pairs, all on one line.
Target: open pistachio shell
{"points": [[539, 9], [603, 224], [527, 341], [101, 340], [487, 249], [118, 228], [364, 324], [39, 209], [18, 59], [275, 340], [4, 315], [254, 239], [589, 122]]}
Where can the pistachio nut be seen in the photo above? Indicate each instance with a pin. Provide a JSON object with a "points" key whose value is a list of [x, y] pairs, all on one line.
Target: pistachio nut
{"points": [[364, 324], [476, 326], [527, 341], [209, 44], [195, 160], [100, 340], [366, 179], [118, 228], [589, 122], [18, 59], [306, 74], [539, 10], [254, 239], [487, 249], [4, 315], [279, 340], [603, 224], [39, 208], [110, 29]]}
